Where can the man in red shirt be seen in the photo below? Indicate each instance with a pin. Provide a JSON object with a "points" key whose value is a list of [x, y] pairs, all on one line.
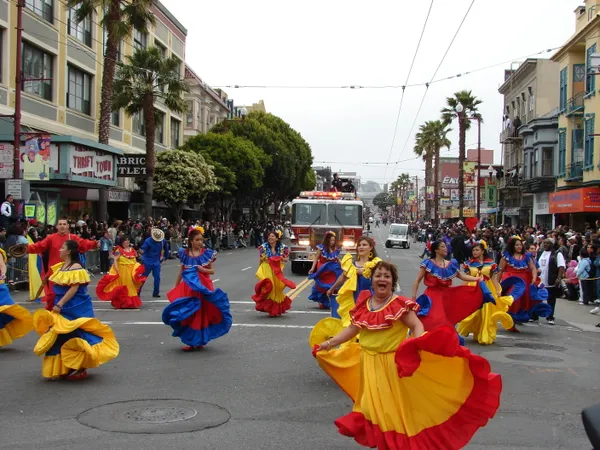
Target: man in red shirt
{"points": [[52, 244]]}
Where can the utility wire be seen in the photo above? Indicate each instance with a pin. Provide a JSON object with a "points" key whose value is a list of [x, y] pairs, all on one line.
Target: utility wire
{"points": [[404, 88]]}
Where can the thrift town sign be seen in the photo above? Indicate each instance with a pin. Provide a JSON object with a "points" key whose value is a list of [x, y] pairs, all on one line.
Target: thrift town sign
{"points": [[131, 166]]}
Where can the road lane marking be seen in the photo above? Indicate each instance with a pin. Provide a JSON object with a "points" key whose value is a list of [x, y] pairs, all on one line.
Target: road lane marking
{"points": [[246, 325], [300, 289], [246, 268], [298, 286], [218, 279], [290, 312]]}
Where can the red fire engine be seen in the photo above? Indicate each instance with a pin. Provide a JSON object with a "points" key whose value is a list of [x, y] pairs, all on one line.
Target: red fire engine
{"points": [[313, 214]]}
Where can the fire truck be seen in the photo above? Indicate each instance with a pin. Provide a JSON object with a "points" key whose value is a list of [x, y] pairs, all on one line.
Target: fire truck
{"points": [[316, 212]]}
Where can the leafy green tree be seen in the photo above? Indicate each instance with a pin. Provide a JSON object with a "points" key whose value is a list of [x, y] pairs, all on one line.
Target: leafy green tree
{"points": [[119, 20], [400, 187], [238, 165], [470, 110], [182, 177], [432, 137], [383, 200], [146, 78], [290, 155]]}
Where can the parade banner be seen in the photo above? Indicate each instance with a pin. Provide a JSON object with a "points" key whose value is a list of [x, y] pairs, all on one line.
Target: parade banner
{"points": [[469, 175]]}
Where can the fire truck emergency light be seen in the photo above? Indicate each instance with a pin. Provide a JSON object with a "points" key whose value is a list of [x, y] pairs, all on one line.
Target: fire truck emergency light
{"points": [[323, 194]]}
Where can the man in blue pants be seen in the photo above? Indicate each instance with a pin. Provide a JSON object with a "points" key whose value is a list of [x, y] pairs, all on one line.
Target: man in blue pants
{"points": [[154, 251]]}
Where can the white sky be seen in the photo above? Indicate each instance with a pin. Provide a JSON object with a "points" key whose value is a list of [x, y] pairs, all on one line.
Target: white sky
{"points": [[350, 42]]}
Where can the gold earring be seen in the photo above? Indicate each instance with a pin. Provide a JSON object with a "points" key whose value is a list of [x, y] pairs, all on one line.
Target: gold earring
{"points": [[371, 255]]}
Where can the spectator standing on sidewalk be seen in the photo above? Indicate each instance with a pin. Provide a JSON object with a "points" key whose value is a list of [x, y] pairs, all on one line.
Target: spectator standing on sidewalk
{"points": [[552, 268], [584, 273], [106, 246]]}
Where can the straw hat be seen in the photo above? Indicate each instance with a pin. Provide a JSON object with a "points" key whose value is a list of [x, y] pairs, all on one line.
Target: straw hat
{"points": [[157, 234], [18, 251]]}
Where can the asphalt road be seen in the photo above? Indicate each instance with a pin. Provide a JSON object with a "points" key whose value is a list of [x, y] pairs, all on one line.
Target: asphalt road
{"points": [[269, 391]]}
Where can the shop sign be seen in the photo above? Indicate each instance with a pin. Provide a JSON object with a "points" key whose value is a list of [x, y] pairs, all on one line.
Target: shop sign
{"points": [[468, 212], [7, 162], [29, 211], [511, 211], [131, 166], [119, 196], [575, 201], [91, 164]]}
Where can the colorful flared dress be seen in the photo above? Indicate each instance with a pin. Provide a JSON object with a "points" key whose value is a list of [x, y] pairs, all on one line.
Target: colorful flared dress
{"points": [[327, 273], [355, 283], [122, 288], [483, 323], [72, 339], [444, 304], [198, 312], [15, 321], [532, 302], [268, 292], [421, 393]]}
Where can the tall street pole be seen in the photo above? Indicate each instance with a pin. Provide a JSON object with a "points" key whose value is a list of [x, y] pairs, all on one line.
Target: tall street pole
{"points": [[436, 197], [18, 80], [478, 169], [417, 194]]}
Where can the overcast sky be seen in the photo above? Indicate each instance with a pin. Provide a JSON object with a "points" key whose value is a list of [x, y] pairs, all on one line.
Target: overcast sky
{"points": [[349, 42]]}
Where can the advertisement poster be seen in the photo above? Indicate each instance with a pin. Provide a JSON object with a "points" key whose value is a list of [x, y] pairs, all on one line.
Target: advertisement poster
{"points": [[29, 211], [40, 213], [51, 219], [469, 177], [36, 160], [429, 192]]}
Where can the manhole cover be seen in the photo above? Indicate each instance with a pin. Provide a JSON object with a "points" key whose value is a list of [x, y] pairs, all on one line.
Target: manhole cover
{"points": [[534, 358], [161, 416], [148, 414], [538, 346]]}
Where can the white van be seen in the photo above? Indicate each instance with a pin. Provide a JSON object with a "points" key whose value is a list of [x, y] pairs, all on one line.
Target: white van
{"points": [[399, 235]]}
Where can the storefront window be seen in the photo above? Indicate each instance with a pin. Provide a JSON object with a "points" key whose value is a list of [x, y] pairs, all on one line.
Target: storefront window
{"points": [[75, 209]]}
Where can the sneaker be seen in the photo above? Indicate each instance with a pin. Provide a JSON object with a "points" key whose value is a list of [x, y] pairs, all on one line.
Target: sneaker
{"points": [[597, 301], [596, 310], [534, 321], [550, 321]]}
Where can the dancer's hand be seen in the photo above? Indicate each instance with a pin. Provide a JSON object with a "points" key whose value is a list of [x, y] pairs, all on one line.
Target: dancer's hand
{"points": [[329, 292], [56, 309], [324, 346], [311, 271]]}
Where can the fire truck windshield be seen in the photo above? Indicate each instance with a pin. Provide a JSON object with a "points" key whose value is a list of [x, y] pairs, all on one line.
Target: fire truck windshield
{"points": [[336, 214]]}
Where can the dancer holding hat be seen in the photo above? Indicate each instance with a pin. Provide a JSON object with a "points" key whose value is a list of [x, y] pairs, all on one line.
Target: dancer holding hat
{"points": [[154, 251]]}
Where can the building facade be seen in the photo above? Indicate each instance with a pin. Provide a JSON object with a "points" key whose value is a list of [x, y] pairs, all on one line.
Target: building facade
{"points": [[530, 104], [578, 168], [68, 56]]}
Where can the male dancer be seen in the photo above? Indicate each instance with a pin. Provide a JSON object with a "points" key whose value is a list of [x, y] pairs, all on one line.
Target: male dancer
{"points": [[154, 251], [52, 244]]}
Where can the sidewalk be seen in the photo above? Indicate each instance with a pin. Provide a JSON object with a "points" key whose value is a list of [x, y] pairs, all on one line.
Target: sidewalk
{"points": [[577, 315]]}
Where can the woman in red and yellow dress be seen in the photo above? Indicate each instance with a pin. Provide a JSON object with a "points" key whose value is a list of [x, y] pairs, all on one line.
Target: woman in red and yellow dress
{"points": [[269, 295], [71, 339], [426, 392], [483, 323], [325, 270], [15, 321], [442, 303], [122, 284]]}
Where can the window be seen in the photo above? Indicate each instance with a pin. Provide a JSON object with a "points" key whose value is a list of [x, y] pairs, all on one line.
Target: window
{"points": [[159, 136], [527, 164], [590, 81], [588, 148], [534, 163], [37, 64], [115, 118], [175, 132], [562, 152], [1, 52], [344, 215], [563, 90], [547, 153], [79, 90], [189, 115], [309, 214], [43, 8], [162, 48], [178, 67], [577, 146], [531, 102], [137, 124], [105, 42], [578, 73], [82, 31], [140, 39]]}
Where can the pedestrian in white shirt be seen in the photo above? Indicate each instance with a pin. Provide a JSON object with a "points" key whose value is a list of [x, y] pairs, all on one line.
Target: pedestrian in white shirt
{"points": [[6, 211], [552, 270]]}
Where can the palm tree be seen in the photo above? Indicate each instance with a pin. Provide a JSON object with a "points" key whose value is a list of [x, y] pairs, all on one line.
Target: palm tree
{"points": [[423, 149], [146, 78], [469, 111], [119, 20], [400, 187]]}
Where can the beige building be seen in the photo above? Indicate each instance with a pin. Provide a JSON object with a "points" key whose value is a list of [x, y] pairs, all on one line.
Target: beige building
{"points": [[256, 107], [528, 138], [206, 107]]}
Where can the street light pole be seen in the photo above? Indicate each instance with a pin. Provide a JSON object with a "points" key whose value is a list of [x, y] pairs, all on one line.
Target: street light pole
{"points": [[478, 169]]}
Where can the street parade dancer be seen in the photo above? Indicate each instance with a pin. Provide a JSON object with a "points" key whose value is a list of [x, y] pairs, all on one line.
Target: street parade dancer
{"points": [[15, 321], [121, 285], [325, 269], [71, 339], [442, 303], [483, 323], [52, 244], [198, 312], [154, 252], [422, 392], [269, 295], [517, 262], [343, 363]]}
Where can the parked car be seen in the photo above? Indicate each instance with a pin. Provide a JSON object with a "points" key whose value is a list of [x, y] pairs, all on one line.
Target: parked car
{"points": [[399, 235]]}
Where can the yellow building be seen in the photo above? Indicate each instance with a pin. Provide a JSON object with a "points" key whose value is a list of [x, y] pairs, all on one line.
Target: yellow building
{"points": [[578, 179], [71, 56]]}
